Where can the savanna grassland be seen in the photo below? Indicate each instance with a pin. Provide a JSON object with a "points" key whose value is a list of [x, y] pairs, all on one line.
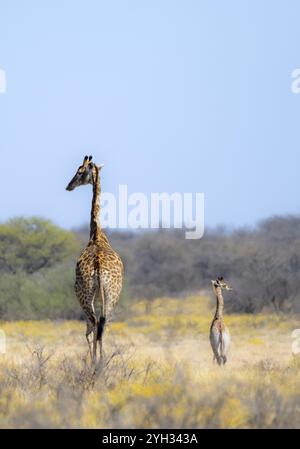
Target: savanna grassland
{"points": [[158, 371]]}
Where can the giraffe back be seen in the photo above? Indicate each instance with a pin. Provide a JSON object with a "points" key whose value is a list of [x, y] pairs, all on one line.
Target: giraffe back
{"points": [[99, 265]]}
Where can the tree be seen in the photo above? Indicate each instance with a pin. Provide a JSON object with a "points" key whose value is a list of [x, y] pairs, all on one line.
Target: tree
{"points": [[30, 244]]}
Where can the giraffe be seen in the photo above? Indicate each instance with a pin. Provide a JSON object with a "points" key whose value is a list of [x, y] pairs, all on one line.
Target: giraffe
{"points": [[219, 334], [99, 269]]}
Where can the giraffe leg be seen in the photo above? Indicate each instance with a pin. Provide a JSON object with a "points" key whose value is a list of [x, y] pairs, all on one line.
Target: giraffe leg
{"points": [[225, 345], [89, 330], [215, 344], [101, 350], [95, 345], [88, 307], [90, 347]]}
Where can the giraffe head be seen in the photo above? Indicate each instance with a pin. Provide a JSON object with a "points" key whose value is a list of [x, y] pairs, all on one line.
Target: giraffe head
{"points": [[84, 175], [219, 282]]}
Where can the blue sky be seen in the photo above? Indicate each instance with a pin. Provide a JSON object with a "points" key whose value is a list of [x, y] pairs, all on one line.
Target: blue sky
{"points": [[172, 96]]}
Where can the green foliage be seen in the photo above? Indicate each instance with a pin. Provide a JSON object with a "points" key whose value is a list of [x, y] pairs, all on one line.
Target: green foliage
{"points": [[46, 294], [37, 270], [32, 244]]}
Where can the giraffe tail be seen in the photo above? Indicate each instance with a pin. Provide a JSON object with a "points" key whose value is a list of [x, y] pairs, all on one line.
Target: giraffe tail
{"points": [[102, 319], [100, 327]]}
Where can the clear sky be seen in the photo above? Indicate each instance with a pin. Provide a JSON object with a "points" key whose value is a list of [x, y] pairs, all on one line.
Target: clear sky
{"points": [[172, 96]]}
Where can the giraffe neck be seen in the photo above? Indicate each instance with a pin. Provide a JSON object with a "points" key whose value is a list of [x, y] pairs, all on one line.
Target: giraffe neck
{"points": [[95, 226], [220, 304], [96, 233]]}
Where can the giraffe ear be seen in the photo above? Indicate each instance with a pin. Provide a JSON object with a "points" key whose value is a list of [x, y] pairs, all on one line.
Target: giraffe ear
{"points": [[100, 166]]}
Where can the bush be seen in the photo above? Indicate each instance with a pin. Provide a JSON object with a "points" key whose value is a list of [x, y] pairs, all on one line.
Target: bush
{"points": [[32, 244], [37, 270]]}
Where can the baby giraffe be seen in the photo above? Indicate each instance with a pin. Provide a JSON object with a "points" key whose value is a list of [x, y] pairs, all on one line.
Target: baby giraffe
{"points": [[219, 334]]}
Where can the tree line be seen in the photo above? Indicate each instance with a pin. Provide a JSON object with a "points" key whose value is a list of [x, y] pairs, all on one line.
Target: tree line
{"points": [[37, 264]]}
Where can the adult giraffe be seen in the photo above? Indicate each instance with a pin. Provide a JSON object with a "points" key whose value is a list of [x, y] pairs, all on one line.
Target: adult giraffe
{"points": [[99, 269]]}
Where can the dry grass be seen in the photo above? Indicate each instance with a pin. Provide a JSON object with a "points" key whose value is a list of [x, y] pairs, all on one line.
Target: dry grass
{"points": [[158, 372]]}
